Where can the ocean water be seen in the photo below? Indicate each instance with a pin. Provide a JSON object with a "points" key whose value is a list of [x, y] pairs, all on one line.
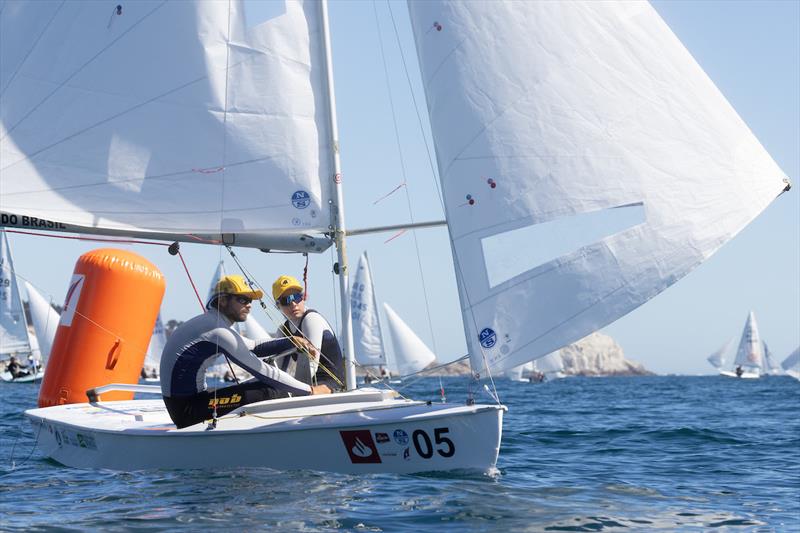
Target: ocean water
{"points": [[580, 454]]}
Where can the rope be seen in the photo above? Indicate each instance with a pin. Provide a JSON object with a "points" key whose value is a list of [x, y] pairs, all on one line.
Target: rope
{"points": [[191, 281]]}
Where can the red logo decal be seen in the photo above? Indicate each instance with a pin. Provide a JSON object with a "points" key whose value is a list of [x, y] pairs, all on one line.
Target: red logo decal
{"points": [[360, 446]]}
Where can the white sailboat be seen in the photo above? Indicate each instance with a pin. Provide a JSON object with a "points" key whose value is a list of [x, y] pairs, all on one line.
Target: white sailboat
{"points": [[749, 361], [791, 365], [410, 353], [771, 366], [585, 108], [551, 365], [15, 338]]}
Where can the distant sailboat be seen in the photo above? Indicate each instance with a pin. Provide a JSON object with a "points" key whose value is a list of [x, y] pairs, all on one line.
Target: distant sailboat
{"points": [[152, 360], [410, 353], [792, 364], [552, 365], [749, 361], [771, 366], [45, 322]]}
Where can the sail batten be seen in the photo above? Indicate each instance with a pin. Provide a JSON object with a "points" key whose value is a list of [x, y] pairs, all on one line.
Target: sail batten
{"points": [[542, 110]]}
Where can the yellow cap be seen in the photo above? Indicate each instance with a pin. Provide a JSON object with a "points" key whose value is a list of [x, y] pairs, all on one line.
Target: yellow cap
{"points": [[283, 284], [236, 284]]}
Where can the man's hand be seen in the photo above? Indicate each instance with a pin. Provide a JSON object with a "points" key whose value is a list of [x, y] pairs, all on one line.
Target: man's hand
{"points": [[320, 389], [306, 346]]}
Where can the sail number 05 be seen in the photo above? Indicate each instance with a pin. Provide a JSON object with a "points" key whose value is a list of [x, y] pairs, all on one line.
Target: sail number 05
{"points": [[425, 448]]}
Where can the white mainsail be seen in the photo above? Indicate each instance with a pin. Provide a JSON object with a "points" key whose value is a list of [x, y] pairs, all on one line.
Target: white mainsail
{"points": [[367, 337], [771, 366], [410, 353], [545, 111], [718, 358], [14, 338], [750, 353], [165, 117], [45, 320]]}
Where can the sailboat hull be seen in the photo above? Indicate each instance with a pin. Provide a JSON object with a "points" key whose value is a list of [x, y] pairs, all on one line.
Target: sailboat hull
{"points": [[365, 431], [30, 378], [745, 375]]}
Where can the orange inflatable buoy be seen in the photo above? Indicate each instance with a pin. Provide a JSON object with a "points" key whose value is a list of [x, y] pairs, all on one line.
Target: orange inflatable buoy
{"points": [[111, 307]]}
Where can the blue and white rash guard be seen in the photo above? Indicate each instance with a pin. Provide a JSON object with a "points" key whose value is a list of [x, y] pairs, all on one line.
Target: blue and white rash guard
{"points": [[195, 344]]}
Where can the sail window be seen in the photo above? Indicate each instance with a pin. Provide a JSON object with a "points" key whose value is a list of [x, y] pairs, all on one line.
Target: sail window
{"points": [[258, 11], [514, 252]]}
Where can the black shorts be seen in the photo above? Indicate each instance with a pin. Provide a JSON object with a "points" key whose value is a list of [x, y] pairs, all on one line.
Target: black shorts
{"points": [[189, 410]]}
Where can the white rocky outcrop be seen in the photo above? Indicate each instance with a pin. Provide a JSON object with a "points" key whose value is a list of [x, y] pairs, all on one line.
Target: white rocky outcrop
{"points": [[598, 355]]}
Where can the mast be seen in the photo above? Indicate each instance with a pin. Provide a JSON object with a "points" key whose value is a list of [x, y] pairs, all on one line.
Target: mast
{"points": [[338, 218]]}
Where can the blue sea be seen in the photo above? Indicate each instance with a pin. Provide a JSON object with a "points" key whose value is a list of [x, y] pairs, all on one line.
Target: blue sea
{"points": [[580, 454]]}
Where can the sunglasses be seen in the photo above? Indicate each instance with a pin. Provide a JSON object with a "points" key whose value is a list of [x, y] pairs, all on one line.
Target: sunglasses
{"points": [[290, 299], [244, 300]]}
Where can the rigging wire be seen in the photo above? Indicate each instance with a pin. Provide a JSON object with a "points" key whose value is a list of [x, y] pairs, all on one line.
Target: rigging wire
{"points": [[405, 179]]}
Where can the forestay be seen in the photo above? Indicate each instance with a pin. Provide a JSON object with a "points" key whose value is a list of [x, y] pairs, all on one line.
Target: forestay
{"points": [[750, 353], [172, 117], [367, 338], [13, 328], [547, 111]]}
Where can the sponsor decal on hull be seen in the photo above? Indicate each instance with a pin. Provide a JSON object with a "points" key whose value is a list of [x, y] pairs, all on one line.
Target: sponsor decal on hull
{"points": [[360, 446]]}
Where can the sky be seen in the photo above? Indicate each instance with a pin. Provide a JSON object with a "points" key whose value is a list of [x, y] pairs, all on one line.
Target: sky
{"points": [[751, 50]]}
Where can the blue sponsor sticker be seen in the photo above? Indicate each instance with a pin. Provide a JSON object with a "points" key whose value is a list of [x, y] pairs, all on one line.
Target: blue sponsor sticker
{"points": [[301, 199], [400, 437], [487, 337]]}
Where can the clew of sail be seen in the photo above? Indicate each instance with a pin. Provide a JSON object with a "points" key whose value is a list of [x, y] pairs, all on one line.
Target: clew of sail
{"points": [[750, 353], [13, 326], [165, 117], [45, 320], [367, 338], [549, 111]]}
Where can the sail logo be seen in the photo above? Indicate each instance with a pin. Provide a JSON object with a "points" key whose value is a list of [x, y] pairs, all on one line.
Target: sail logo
{"points": [[301, 199], [487, 337], [360, 446], [400, 437], [71, 302]]}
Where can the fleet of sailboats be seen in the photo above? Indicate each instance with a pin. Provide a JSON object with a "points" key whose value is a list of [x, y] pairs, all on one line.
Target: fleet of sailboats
{"points": [[176, 121], [752, 359]]}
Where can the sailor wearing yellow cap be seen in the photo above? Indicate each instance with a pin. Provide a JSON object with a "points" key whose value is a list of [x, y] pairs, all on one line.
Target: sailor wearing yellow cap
{"points": [[195, 344], [327, 368]]}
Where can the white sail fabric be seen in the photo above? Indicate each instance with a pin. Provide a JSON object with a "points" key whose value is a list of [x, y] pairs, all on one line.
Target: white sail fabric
{"points": [[550, 363], [367, 338], [410, 353], [520, 372], [172, 117], [543, 111], [750, 352], [718, 358], [792, 362], [152, 361], [771, 366], [45, 320], [13, 326]]}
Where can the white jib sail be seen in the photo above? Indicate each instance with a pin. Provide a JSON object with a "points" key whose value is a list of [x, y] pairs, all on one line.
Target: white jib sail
{"points": [[164, 116], [367, 337], [13, 327], [718, 358], [410, 353], [550, 112], [45, 320], [152, 361], [750, 353]]}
